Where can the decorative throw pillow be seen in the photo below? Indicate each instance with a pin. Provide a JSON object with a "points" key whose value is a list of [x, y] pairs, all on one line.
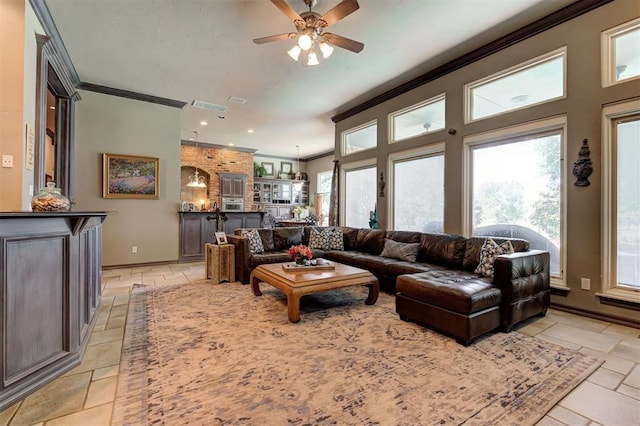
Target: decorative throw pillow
{"points": [[255, 242], [488, 253], [336, 242], [402, 251], [320, 239]]}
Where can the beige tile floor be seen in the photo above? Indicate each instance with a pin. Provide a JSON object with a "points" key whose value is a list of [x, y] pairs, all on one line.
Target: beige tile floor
{"points": [[85, 395]]}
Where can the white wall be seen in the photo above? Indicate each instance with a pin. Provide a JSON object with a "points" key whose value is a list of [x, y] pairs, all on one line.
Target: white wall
{"points": [[110, 124]]}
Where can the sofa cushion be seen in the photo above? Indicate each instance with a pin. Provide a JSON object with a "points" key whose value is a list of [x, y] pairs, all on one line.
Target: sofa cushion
{"points": [[266, 235], [490, 250], [370, 240], [336, 242], [456, 291], [442, 249], [400, 251], [474, 245], [255, 242], [349, 237], [283, 238], [404, 236], [401, 267], [269, 257]]}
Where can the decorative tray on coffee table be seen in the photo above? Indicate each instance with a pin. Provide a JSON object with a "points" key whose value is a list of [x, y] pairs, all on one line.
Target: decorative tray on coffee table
{"points": [[293, 267]]}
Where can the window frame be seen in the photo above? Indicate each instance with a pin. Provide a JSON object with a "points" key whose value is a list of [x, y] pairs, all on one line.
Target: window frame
{"points": [[430, 150], [609, 287], [514, 133], [345, 134], [468, 87], [608, 60], [349, 167], [392, 116]]}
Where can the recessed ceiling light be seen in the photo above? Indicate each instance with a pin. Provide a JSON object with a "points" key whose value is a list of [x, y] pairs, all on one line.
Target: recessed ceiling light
{"points": [[250, 131], [230, 144], [52, 107], [203, 123]]}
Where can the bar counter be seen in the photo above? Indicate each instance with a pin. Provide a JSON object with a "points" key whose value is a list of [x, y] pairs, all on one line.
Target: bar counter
{"points": [[50, 284]]}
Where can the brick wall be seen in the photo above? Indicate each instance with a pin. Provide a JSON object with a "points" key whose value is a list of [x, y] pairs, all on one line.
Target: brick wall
{"points": [[215, 160]]}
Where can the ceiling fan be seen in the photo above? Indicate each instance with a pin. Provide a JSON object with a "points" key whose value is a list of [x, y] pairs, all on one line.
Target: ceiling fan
{"points": [[310, 28]]}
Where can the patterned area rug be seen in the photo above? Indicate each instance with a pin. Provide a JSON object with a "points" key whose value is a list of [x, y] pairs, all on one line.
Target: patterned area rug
{"points": [[205, 354]]}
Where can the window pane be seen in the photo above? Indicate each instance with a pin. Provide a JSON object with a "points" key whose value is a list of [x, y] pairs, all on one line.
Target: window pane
{"points": [[360, 196], [533, 84], [519, 198], [628, 203], [421, 119], [627, 55], [419, 194], [360, 139]]}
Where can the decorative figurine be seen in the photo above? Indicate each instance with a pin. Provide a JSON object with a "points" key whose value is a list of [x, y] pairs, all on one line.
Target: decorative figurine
{"points": [[381, 185], [583, 168]]}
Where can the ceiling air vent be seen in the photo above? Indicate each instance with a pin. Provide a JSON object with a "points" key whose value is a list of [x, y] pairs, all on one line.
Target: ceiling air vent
{"points": [[207, 105], [237, 100]]}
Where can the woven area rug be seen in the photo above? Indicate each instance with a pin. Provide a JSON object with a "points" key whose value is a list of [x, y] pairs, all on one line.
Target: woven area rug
{"points": [[205, 354]]}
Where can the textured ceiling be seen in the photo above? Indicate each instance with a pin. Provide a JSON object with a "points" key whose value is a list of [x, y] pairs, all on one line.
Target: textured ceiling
{"points": [[203, 49]]}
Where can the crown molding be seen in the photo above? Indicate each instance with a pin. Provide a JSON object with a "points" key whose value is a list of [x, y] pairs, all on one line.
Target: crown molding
{"points": [[131, 95], [556, 18]]}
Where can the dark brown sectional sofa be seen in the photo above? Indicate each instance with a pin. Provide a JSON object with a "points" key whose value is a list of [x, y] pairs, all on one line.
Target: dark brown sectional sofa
{"points": [[440, 289]]}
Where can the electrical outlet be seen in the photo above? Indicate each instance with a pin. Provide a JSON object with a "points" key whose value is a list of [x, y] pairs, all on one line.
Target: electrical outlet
{"points": [[134, 249], [585, 284], [7, 161]]}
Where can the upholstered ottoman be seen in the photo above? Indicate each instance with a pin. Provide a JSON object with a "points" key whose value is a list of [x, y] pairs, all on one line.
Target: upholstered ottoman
{"points": [[456, 303]]}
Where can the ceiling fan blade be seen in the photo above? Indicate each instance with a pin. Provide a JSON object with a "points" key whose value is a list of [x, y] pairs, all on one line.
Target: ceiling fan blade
{"points": [[277, 37], [346, 7], [287, 10], [343, 42]]}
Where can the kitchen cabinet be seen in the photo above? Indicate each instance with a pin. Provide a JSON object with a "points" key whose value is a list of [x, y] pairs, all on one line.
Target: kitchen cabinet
{"points": [[232, 185], [277, 196]]}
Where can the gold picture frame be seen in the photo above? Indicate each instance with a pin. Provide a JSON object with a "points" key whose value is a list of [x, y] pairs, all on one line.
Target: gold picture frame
{"points": [[130, 176]]}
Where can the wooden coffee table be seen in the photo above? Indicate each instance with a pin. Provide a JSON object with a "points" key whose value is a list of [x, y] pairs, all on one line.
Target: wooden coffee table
{"points": [[297, 284]]}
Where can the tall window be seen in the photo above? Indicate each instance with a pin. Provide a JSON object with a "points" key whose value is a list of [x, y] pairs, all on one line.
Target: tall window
{"points": [[418, 190], [621, 193], [322, 197], [359, 195], [521, 197]]}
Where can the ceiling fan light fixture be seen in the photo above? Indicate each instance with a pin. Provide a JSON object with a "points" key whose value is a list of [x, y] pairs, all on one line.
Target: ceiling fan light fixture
{"points": [[313, 59], [294, 52], [326, 49], [305, 42]]}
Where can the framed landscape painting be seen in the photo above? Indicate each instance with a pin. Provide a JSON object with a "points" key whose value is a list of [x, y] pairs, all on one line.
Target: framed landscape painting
{"points": [[130, 176]]}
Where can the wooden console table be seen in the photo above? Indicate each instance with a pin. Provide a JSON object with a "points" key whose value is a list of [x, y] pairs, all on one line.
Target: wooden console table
{"points": [[220, 263]]}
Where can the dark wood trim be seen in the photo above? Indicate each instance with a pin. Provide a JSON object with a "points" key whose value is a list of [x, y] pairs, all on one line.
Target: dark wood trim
{"points": [[563, 15], [138, 265], [619, 303], [46, 20], [131, 95], [598, 315], [331, 153], [560, 291]]}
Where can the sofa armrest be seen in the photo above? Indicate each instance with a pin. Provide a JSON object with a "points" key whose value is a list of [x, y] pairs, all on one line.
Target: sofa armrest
{"points": [[525, 282], [242, 257]]}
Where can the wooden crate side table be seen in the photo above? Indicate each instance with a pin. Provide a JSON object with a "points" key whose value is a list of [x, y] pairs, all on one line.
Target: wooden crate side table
{"points": [[220, 263]]}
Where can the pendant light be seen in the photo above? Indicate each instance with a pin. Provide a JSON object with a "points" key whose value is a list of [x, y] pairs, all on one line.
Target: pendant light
{"points": [[196, 181], [297, 185]]}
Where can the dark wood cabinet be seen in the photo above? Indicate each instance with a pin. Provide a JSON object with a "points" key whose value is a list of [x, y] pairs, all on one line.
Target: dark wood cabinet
{"points": [[196, 230], [51, 286]]}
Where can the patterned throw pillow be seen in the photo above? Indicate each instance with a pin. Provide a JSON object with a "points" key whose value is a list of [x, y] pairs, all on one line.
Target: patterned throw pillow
{"points": [[488, 253], [255, 242], [320, 239], [326, 239], [336, 241], [403, 251]]}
